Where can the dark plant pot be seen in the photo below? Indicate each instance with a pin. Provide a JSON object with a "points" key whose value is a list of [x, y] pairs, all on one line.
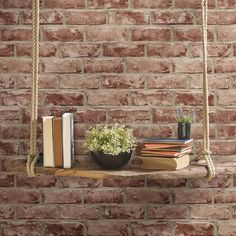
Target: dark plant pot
{"points": [[184, 130], [111, 162]]}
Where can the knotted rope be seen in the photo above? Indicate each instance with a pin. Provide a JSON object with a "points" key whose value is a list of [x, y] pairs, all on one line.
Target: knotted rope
{"points": [[33, 155]]}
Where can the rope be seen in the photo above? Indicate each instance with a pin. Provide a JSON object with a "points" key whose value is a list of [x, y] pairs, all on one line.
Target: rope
{"points": [[33, 156], [206, 154]]}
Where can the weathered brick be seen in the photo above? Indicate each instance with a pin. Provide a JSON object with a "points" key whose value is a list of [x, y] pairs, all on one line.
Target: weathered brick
{"points": [[16, 34], [17, 4], [79, 212], [168, 212], [61, 228], [90, 116], [226, 3], [226, 33], [103, 196], [64, 4], [78, 182], [15, 98], [9, 116], [226, 228], [6, 212], [9, 148], [107, 3], [152, 3], [167, 183], [124, 182], [36, 212], [223, 147], [14, 65], [6, 50], [150, 34], [21, 228], [6, 180], [194, 229], [227, 196], [85, 18], [151, 228], [8, 18], [227, 131], [223, 116], [226, 97], [225, 66], [164, 116], [192, 4], [19, 196], [147, 195], [63, 196]]}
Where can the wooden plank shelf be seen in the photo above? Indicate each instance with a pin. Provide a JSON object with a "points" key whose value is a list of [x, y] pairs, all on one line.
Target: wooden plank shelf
{"points": [[222, 165]]}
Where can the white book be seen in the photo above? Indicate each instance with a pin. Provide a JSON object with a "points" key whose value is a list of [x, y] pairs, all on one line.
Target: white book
{"points": [[68, 139], [48, 153]]}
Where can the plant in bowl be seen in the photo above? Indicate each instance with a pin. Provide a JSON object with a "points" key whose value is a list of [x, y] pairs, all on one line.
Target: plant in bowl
{"points": [[110, 147], [184, 121]]}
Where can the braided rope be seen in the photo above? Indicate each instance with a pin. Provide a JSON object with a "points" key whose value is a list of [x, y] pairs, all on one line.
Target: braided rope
{"points": [[206, 154], [33, 156]]}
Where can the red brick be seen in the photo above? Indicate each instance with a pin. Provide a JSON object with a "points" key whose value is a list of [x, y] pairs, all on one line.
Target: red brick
{"points": [[123, 50], [15, 98], [104, 66], [191, 33], [226, 97], [123, 212], [16, 34], [19, 196], [17, 3], [129, 116], [233, 212], [107, 3], [152, 3], [6, 212], [107, 97], [192, 98], [15, 132], [61, 66], [85, 18], [36, 212], [197, 131], [170, 17], [90, 116], [164, 116], [64, 99], [210, 212], [223, 116], [150, 34], [8, 148], [123, 81], [226, 196], [6, 50], [193, 196], [80, 81], [103, 228], [147, 195], [10, 163], [10, 116], [97, 34], [167, 183], [166, 50], [226, 228], [79, 212], [21, 228], [227, 3], [78, 182], [150, 65], [213, 50], [152, 98], [61, 228], [192, 4], [194, 229], [8, 18], [35, 182], [103, 196], [124, 182], [225, 66], [64, 4], [151, 131], [226, 33], [15, 65], [151, 228], [46, 50], [129, 17], [227, 131], [223, 147], [190, 66], [63, 196], [6, 180], [168, 212], [46, 17], [63, 34]]}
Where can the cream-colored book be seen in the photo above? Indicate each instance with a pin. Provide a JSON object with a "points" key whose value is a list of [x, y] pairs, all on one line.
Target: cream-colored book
{"points": [[159, 163], [48, 153]]}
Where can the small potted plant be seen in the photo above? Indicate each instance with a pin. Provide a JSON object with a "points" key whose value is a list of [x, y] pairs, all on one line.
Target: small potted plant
{"points": [[184, 121], [110, 147]]}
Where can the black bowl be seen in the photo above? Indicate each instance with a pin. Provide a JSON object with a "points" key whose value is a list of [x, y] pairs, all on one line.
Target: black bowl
{"points": [[111, 162]]}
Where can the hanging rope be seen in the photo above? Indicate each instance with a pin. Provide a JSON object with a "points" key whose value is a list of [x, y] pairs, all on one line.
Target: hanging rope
{"points": [[33, 156], [206, 143]]}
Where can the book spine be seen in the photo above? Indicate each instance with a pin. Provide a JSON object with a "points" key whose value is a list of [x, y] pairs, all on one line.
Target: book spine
{"points": [[57, 139]]}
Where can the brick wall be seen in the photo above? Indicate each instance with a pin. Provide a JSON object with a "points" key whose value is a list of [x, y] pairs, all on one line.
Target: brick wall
{"points": [[124, 61]]}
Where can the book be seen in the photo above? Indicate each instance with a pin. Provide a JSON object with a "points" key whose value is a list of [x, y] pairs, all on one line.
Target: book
{"points": [[164, 153], [57, 142], [155, 163], [68, 139], [167, 141], [48, 152]]}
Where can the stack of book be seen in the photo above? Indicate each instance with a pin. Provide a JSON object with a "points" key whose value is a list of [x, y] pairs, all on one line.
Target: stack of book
{"points": [[165, 154], [58, 141]]}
